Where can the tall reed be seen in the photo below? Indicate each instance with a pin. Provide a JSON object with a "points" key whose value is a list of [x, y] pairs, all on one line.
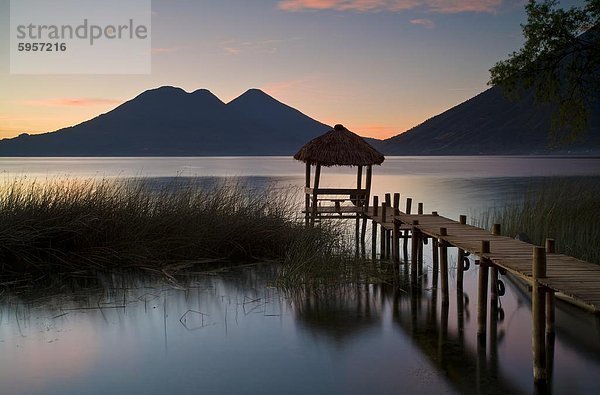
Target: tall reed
{"points": [[67, 225], [565, 209]]}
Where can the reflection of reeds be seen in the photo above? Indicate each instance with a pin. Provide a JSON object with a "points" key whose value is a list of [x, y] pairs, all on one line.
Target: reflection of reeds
{"points": [[84, 225], [567, 210]]}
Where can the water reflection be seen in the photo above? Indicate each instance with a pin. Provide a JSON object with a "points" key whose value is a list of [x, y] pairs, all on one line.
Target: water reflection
{"points": [[232, 332]]}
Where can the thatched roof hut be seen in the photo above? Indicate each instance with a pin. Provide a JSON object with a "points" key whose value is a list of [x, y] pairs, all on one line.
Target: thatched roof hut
{"points": [[339, 147]]}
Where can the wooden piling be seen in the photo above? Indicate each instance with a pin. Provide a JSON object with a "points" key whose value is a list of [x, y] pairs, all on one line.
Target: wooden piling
{"points": [[315, 195], [408, 206], [444, 266], [420, 209], [388, 199], [369, 182], [396, 242], [374, 228], [482, 293], [307, 197], [496, 230], [538, 316], [396, 203], [550, 313], [382, 242], [461, 255], [414, 249]]}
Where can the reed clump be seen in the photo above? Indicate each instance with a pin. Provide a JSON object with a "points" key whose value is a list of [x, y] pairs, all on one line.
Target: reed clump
{"points": [[564, 209], [74, 225]]}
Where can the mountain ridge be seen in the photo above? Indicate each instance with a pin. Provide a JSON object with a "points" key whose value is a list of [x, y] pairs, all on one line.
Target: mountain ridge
{"points": [[168, 121]]}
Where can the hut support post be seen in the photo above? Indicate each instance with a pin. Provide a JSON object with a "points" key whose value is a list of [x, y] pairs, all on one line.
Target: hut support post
{"points": [[367, 200], [315, 195], [307, 197], [359, 203]]}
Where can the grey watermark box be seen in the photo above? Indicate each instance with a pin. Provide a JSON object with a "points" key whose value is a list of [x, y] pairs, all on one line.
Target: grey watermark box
{"points": [[80, 36]]}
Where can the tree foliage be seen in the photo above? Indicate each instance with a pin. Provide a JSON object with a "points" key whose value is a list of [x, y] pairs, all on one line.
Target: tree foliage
{"points": [[560, 61]]}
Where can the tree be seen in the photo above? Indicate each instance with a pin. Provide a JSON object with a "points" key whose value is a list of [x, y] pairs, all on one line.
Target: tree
{"points": [[560, 61]]}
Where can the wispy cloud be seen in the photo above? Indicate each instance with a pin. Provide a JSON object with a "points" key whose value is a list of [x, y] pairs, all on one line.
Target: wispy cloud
{"points": [[71, 102], [428, 23], [439, 6], [237, 47], [162, 50]]}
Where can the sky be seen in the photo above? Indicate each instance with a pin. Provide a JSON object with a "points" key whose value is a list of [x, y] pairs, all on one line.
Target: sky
{"points": [[379, 67]]}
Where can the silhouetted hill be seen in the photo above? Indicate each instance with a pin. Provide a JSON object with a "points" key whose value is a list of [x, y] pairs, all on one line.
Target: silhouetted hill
{"points": [[170, 121]]}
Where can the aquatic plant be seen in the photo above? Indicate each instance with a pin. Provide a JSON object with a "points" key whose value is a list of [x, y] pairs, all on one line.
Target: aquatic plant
{"points": [[82, 225], [564, 209]]}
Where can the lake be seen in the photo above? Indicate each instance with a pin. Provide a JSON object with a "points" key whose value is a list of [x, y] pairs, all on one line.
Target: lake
{"points": [[232, 331]]}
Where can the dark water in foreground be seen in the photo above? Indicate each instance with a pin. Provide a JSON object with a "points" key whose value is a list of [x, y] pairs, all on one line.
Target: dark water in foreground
{"points": [[233, 332]]}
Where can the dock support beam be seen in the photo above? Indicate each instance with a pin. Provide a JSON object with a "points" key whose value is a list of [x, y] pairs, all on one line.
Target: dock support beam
{"points": [[461, 256], [482, 293], [444, 267], [374, 230], [414, 250], [315, 195], [538, 316], [382, 242], [307, 197]]}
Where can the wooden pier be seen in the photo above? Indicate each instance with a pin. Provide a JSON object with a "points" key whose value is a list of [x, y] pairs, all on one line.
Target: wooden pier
{"points": [[547, 273]]}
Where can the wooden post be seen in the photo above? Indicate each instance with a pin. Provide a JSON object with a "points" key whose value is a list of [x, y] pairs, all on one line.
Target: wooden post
{"points": [[496, 230], [383, 231], [307, 197], [388, 199], [461, 256], [408, 206], [538, 316], [414, 249], [550, 312], [396, 241], [359, 174], [315, 194], [444, 266], [550, 249], [420, 209], [396, 203], [482, 293], [374, 229], [367, 199]]}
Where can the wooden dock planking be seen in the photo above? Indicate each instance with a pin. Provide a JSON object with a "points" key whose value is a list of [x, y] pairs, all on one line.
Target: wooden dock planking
{"points": [[575, 278]]}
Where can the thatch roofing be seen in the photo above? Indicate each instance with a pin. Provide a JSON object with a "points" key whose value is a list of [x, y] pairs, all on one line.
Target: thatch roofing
{"points": [[339, 147]]}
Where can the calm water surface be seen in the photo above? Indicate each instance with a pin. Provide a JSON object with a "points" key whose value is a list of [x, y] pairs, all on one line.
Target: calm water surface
{"points": [[233, 332]]}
